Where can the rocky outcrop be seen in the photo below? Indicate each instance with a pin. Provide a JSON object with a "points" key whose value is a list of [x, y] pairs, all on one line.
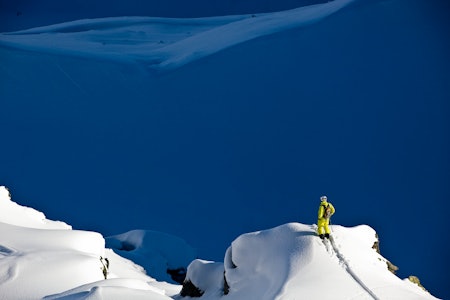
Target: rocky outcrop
{"points": [[391, 267], [415, 280], [290, 260], [190, 290], [178, 274]]}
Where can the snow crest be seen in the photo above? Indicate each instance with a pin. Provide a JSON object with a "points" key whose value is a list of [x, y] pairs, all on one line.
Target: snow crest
{"points": [[285, 262], [40, 259], [29, 217], [290, 261], [162, 43]]}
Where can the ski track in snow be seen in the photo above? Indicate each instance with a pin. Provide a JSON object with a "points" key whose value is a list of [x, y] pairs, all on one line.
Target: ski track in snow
{"points": [[8, 271], [7, 274], [71, 79], [346, 265], [162, 43]]}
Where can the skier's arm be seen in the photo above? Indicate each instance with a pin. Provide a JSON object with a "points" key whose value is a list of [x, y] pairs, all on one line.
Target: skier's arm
{"points": [[320, 213]]}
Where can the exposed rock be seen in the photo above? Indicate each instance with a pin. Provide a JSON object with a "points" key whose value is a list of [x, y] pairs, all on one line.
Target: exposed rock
{"points": [[164, 257], [229, 264], [415, 279], [226, 286], [376, 245], [177, 275], [391, 267], [190, 290]]}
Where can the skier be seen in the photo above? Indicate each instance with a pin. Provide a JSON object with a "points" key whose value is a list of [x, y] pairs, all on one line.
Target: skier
{"points": [[326, 210]]}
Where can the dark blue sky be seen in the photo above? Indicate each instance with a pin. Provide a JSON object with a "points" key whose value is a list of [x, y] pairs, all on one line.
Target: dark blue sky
{"points": [[356, 107]]}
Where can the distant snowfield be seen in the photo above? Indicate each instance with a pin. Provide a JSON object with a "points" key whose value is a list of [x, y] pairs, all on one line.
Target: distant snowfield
{"points": [[162, 43], [44, 259]]}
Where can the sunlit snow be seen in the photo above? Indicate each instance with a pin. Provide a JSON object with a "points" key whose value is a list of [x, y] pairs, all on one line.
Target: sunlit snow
{"points": [[43, 259]]}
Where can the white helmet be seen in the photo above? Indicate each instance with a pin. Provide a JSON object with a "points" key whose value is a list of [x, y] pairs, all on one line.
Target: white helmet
{"points": [[323, 198]]}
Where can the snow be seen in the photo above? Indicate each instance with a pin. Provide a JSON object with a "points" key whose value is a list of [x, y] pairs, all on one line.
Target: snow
{"points": [[113, 289], [155, 251], [52, 261], [207, 276], [303, 265], [162, 43], [45, 259], [29, 216], [284, 262]]}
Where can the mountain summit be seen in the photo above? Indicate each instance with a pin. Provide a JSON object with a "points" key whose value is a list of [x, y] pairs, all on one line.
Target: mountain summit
{"points": [[290, 261], [43, 259], [180, 122]]}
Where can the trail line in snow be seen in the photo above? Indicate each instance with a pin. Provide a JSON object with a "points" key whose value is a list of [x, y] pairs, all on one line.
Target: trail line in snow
{"points": [[350, 271], [70, 79]]}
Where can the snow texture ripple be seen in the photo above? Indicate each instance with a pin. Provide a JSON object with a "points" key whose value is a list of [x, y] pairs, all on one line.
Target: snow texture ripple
{"points": [[162, 43]]}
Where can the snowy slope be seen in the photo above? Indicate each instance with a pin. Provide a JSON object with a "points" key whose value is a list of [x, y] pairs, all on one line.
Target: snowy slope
{"points": [[119, 35], [162, 43], [29, 217], [42, 258], [285, 262], [290, 262]]}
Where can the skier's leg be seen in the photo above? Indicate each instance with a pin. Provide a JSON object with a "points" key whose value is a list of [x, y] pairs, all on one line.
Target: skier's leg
{"points": [[320, 228], [327, 229]]}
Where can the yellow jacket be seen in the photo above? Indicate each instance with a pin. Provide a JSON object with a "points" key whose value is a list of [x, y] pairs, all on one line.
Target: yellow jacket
{"points": [[322, 207]]}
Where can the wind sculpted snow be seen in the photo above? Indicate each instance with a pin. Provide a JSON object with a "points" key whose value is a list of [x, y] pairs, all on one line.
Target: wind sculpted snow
{"points": [[285, 262], [262, 127], [43, 261], [290, 262], [162, 43]]}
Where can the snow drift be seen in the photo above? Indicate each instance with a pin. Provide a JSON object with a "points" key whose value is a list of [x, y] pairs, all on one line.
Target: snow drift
{"points": [[40, 258], [290, 261], [125, 38], [29, 217], [43, 259], [162, 43]]}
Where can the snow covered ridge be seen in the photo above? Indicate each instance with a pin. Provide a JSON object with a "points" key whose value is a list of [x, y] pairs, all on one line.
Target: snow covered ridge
{"points": [[14, 214], [162, 43], [291, 262], [42, 259]]}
